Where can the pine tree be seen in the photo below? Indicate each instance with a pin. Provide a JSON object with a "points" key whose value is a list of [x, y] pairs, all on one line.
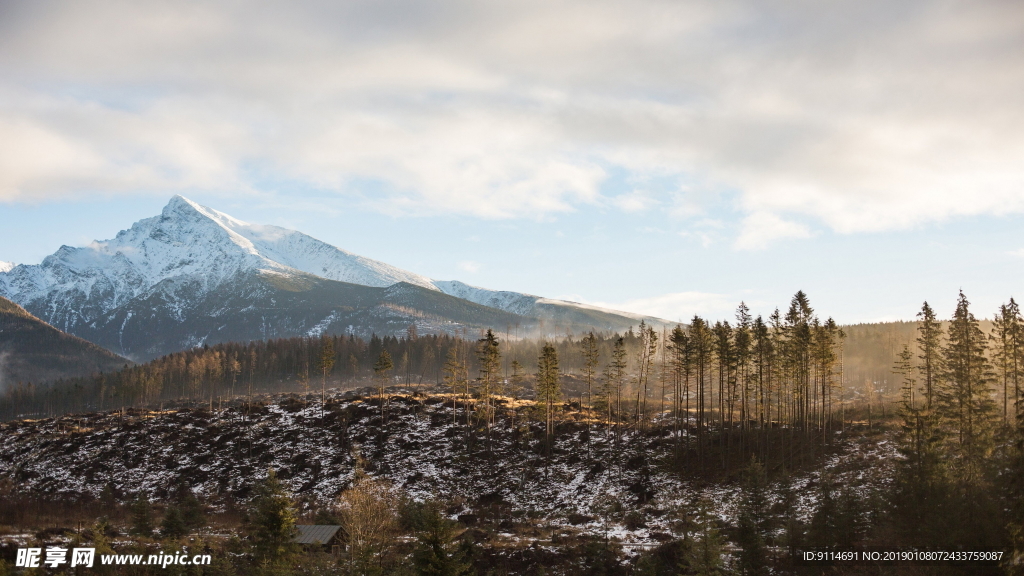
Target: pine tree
{"points": [[1014, 479], [615, 375], [326, 365], [437, 553], [645, 361], [591, 360], [548, 385], [764, 367], [489, 356], [452, 376], [681, 367], [192, 513], [142, 516], [173, 525], [515, 388], [967, 411], [270, 522], [824, 526], [742, 344], [703, 343], [1008, 337], [929, 342], [754, 522], [704, 555], [381, 370]]}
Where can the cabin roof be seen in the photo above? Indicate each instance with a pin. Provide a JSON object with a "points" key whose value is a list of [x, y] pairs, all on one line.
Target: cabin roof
{"points": [[316, 533]]}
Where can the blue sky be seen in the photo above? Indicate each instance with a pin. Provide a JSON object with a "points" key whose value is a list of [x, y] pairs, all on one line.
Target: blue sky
{"points": [[663, 157]]}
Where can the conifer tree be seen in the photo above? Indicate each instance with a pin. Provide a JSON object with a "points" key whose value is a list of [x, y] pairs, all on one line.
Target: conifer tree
{"points": [[270, 522], [381, 370], [452, 375], [489, 356], [764, 366], [754, 522], [192, 511], [967, 409], [326, 365], [645, 361], [173, 525], [824, 526], [437, 553], [1008, 354], [591, 360], [742, 342], [681, 367], [703, 343], [929, 342], [142, 516], [704, 555], [548, 385], [1015, 501], [616, 374], [515, 388]]}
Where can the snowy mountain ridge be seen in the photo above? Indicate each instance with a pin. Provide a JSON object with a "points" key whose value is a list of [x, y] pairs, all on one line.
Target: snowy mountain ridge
{"points": [[6, 266], [163, 270], [187, 239]]}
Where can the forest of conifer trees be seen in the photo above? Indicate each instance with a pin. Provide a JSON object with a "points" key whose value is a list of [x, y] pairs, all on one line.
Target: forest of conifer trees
{"points": [[749, 400]]}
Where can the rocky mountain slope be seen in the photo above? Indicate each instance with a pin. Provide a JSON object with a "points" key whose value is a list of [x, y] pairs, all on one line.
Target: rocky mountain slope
{"points": [[33, 351], [162, 285]]}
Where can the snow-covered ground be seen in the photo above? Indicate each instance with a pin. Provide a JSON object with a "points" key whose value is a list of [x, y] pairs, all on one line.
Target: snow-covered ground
{"points": [[586, 486]]}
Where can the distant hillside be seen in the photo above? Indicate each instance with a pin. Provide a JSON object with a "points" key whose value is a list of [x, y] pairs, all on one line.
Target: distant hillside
{"points": [[33, 351]]}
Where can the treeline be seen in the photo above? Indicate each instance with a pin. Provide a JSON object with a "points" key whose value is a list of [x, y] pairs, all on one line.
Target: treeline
{"points": [[961, 478], [232, 370], [726, 391]]}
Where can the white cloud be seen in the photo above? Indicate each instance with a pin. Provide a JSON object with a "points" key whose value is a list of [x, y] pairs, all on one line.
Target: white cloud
{"points": [[760, 228], [1019, 253], [469, 266], [860, 116], [635, 201]]}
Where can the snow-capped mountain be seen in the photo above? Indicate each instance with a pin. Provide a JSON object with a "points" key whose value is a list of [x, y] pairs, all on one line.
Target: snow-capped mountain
{"points": [[6, 266], [165, 269]]}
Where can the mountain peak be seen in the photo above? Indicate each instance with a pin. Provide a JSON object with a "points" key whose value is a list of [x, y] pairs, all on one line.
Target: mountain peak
{"points": [[180, 207], [6, 266]]}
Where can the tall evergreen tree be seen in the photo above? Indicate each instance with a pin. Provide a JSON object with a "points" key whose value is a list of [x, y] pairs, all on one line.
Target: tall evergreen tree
{"points": [[452, 376], [326, 365], [489, 355], [754, 522], [515, 388], [929, 342], [381, 372], [703, 343], [142, 516], [704, 555], [173, 525], [616, 375], [270, 522], [591, 360], [437, 552], [967, 411], [548, 385], [1008, 353]]}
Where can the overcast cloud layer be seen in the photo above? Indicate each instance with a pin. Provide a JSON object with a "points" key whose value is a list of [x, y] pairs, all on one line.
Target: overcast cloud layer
{"points": [[857, 116]]}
